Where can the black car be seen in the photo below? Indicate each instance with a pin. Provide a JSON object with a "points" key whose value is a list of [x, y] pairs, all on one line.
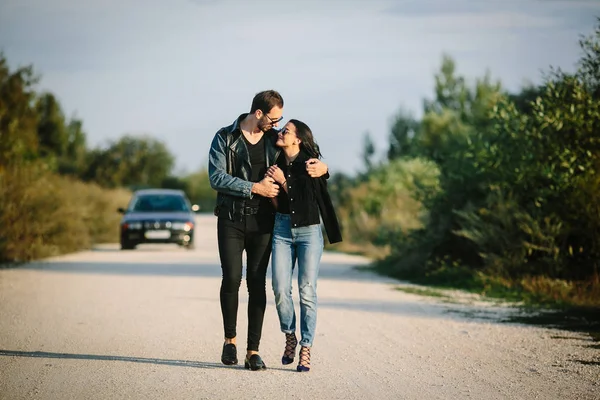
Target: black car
{"points": [[158, 216]]}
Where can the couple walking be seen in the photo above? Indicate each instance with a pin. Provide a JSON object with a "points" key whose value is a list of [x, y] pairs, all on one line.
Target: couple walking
{"points": [[271, 195]]}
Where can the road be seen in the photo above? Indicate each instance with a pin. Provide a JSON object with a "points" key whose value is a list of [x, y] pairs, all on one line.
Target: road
{"points": [[146, 324]]}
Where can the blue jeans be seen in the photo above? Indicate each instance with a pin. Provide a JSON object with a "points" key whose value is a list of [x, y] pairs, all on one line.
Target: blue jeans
{"points": [[304, 244]]}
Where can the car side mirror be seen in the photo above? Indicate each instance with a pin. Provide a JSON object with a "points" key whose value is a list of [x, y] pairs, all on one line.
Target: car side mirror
{"points": [[121, 210], [195, 208]]}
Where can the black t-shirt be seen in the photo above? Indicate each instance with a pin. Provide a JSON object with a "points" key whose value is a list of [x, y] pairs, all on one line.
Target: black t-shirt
{"points": [[259, 167]]}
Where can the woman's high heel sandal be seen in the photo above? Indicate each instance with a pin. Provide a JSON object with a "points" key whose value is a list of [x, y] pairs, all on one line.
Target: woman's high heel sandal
{"points": [[304, 362], [290, 348]]}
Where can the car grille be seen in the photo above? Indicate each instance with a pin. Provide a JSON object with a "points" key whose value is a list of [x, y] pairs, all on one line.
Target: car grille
{"points": [[149, 225]]}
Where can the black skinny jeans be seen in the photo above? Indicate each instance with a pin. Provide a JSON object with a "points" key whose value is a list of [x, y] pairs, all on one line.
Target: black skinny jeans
{"points": [[253, 234]]}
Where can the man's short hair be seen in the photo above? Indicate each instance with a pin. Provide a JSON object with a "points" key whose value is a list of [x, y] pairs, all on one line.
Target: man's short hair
{"points": [[266, 100]]}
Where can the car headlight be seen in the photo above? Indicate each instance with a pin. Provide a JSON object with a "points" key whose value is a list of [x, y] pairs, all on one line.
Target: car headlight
{"points": [[182, 226], [132, 225]]}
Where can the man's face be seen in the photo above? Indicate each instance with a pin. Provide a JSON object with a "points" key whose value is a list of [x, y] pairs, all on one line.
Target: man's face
{"points": [[269, 120]]}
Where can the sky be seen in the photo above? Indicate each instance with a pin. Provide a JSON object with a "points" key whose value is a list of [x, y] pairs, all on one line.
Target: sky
{"points": [[181, 69]]}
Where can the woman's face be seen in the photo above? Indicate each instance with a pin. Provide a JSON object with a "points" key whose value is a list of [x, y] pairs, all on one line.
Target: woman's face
{"points": [[287, 136]]}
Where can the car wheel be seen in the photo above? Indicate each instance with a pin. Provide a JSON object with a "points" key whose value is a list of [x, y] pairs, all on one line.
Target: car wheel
{"points": [[127, 246]]}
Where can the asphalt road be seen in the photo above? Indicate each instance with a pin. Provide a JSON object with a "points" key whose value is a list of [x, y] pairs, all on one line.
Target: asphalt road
{"points": [[146, 324]]}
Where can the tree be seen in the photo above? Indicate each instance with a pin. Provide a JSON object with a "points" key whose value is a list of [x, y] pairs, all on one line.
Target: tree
{"points": [[18, 120], [368, 151], [450, 90], [73, 161], [540, 166], [452, 120], [405, 129], [52, 130], [131, 161]]}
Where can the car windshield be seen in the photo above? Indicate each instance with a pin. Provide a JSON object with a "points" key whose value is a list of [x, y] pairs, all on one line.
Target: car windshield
{"points": [[159, 202]]}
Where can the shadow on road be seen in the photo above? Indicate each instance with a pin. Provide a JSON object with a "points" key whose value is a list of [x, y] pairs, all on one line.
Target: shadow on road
{"points": [[328, 271], [587, 324], [124, 268], [141, 248], [585, 362], [156, 361]]}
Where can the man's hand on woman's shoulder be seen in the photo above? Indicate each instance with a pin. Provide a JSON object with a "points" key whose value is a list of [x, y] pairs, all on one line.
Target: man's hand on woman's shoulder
{"points": [[316, 168]]}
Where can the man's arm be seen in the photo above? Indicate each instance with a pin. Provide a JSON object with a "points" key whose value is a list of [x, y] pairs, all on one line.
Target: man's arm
{"points": [[219, 179]]}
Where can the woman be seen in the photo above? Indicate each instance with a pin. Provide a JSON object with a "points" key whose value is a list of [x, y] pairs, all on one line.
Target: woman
{"points": [[297, 236]]}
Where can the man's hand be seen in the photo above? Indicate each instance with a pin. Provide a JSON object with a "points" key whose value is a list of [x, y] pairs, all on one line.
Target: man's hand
{"points": [[266, 188], [316, 168]]}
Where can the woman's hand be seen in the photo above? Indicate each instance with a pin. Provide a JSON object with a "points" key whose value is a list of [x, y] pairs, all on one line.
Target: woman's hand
{"points": [[276, 173]]}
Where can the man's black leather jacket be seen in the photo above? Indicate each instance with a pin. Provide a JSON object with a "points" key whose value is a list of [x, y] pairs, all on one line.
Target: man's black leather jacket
{"points": [[229, 168]]}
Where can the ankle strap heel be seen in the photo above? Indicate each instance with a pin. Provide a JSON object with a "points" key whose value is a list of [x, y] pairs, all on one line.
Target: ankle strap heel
{"points": [[290, 348], [304, 361]]}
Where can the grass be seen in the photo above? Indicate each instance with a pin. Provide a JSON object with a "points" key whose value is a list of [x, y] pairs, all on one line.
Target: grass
{"points": [[572, 306], [555, 305], [423, 292], [366, 250], [541, 292]]}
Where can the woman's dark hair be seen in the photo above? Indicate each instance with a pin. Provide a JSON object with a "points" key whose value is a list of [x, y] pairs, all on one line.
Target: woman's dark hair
{"points": [[308, 144], [266, 100]]}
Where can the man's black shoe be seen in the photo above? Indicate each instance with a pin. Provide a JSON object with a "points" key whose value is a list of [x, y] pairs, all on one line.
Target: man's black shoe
{"points": [[229, 355], [255, 363]]}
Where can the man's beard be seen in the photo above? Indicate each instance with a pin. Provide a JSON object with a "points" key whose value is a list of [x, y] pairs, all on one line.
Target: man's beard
{"points": [[263, 126]]}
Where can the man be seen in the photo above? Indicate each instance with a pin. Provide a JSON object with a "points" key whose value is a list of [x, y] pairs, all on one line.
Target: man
{"points": [[239, 157]]}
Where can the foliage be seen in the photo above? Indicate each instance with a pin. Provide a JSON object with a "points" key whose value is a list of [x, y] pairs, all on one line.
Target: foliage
{"points": [[134, 162], [545, 163], [518, 183], [389, 203], [43, 214], [18, 120], [199, 190], [368, 152]]}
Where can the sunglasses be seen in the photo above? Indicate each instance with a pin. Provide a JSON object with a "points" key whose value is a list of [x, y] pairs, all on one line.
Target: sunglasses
{"points": [[271, 120]]}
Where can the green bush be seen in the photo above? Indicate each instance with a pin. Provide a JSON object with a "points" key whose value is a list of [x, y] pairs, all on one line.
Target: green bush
{"points": [[516, 209], [506, 236], [43, 214], [387, 205], [548, 162]]}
